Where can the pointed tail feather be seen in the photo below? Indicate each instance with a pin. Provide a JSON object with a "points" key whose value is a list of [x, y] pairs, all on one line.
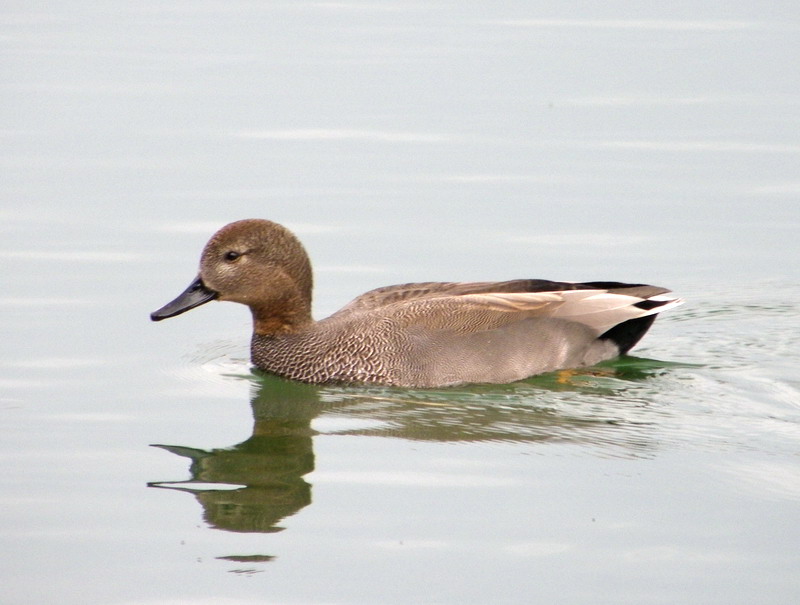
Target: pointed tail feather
{"points": [[628, 333]]}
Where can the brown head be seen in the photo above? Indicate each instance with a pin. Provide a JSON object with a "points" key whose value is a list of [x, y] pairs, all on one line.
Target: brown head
{"points": [[257, 263]]}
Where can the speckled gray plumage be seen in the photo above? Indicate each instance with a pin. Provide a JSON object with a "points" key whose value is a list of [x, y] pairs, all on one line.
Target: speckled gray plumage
{"points": [[426, 334]]}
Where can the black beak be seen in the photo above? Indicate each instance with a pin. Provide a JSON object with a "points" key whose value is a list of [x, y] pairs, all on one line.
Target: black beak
{"points": [[195, 295]]}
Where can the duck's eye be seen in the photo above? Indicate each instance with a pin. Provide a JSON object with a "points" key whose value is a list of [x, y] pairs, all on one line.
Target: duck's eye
{"points": [[232, 255]]}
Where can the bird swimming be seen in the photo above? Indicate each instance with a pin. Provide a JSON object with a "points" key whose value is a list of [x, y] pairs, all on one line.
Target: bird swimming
{"points": [[427, 334]]}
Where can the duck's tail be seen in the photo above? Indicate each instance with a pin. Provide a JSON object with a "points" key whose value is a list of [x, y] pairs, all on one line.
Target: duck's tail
{"points": [[626, 334]]}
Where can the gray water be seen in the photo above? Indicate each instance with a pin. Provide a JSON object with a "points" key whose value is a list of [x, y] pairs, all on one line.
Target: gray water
{"points": [[147, 463]]}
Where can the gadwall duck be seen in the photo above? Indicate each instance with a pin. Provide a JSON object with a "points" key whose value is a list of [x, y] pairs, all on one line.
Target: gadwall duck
{"points": [[427, 334]]}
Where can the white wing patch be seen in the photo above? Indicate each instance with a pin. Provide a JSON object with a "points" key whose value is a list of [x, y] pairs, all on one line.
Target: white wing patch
{"points": [[602, 310], [597, 309]]}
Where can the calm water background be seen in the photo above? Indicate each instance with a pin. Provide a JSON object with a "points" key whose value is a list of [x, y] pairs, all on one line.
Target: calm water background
{"points": [[402, 141]]}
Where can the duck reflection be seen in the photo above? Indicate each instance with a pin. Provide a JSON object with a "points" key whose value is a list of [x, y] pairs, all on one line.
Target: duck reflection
{"points": [[269, 466], [264, 475]]}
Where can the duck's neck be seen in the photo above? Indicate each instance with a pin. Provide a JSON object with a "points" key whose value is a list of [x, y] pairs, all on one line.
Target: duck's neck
{"points": [[281, 319]]}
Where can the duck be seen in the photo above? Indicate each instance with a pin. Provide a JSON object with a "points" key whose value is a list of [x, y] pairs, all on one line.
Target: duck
{"points": [[414, 335]]}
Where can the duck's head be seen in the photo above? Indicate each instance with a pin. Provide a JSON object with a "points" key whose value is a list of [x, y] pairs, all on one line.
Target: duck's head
{"points": [[258, 263]]}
